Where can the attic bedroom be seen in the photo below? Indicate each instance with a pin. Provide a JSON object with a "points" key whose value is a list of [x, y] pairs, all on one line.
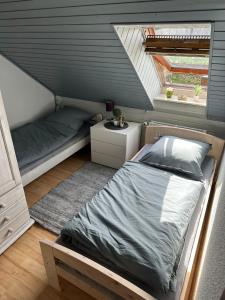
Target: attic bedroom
{"points": [[112, 164]]}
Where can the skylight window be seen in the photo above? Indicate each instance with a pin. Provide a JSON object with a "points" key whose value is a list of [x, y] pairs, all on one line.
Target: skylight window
{"points": [[181, 53], [172, 62]]}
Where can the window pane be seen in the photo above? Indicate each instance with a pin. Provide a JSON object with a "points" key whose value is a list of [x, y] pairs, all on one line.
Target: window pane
{"points": [[185, 61], [184, 78]]}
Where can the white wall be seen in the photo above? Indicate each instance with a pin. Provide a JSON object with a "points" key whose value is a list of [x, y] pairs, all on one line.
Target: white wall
{"points": [[131, 114], [24, 98], [175, 106]]}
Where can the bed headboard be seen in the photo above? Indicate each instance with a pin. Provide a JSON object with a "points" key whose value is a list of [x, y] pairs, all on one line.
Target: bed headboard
{"points": [[152, 133]]}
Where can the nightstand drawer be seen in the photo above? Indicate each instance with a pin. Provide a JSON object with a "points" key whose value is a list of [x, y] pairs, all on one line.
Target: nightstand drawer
{"points": [[108, 136], [106, 160], [108, 149], [113, 147]]}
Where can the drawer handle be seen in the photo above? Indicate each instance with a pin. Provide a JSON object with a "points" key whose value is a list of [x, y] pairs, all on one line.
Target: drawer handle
{"points": [[6, 219], [9, 232], [2, 205]]}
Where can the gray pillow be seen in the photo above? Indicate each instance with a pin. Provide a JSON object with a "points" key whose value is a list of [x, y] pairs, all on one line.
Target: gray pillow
{"points": [[178, 155], [69, 116]]}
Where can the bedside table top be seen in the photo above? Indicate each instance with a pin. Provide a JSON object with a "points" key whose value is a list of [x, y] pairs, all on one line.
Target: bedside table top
{"points": [[100, 126]]}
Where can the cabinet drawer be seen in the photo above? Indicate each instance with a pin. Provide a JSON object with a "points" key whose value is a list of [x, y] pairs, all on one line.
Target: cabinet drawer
{"points": [[8, 215], [108, 136], [6, 201], [106, 160], [11, 229], [108, 149]]}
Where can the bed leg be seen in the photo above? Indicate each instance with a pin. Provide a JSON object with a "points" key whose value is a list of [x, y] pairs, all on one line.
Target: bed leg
{"points": [[49, 263]]}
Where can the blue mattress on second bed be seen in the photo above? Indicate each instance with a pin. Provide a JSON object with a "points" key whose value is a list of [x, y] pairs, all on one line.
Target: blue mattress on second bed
{"points": [[35, 140], [137, 224]]}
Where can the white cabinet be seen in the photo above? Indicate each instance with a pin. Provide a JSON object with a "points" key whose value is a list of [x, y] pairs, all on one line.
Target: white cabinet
{"points": [[9, 174], [14, 216], [113, 147]]}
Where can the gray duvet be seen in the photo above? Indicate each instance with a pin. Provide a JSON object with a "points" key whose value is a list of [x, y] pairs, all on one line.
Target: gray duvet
{"points": [[37, 139], [136, 225]]}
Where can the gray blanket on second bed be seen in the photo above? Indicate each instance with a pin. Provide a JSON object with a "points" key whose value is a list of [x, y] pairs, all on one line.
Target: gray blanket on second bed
{"points": [[37, 139], [136, 225]]}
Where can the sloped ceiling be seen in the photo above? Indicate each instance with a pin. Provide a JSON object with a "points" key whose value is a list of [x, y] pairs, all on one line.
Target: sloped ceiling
{"points": [[66, 46], [71, 47]]}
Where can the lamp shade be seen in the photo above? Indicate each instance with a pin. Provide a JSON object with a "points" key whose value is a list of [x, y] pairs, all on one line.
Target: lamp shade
{"points": [[109, 105]]}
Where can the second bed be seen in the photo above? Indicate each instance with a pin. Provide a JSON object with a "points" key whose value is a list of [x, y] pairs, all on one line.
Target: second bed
{"points": [[42, 144]]}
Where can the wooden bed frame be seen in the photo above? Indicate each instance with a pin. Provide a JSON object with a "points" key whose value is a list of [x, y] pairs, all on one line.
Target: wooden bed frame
{"points": [[104, 284]]}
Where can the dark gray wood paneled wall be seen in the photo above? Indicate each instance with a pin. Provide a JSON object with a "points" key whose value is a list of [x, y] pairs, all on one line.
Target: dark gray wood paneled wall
{"points": [[216, 89], [71, 47]]}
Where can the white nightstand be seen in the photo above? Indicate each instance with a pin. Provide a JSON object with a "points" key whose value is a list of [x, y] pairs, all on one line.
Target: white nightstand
{"points": [[113, 147]]}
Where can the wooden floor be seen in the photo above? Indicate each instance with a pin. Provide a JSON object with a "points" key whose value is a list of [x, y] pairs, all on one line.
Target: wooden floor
{"points": [[22, 274]]}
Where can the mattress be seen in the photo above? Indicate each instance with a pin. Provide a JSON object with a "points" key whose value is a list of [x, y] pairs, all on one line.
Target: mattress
{"points": [[82, 133], [161, 203], [207, 168]]}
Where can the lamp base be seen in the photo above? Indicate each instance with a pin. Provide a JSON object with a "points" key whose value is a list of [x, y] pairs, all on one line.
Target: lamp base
{"points": [[109, 116]]}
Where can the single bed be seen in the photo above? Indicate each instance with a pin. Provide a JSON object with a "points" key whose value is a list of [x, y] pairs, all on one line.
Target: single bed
{"points": [[44, 143], [146, 267]]}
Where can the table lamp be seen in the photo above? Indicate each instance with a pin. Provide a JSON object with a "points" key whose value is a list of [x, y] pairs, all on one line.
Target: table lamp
{"points": [[109, 105]]}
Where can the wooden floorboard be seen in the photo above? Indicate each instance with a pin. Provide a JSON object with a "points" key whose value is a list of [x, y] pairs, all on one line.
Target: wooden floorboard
{"points": [[22, 273]]}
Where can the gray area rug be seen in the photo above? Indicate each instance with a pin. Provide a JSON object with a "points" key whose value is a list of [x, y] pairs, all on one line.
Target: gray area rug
{"points": [[66, 200]]}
